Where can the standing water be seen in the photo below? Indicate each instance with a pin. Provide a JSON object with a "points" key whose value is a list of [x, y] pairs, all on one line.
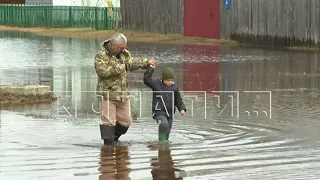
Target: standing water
{"points": [[252, 114]]}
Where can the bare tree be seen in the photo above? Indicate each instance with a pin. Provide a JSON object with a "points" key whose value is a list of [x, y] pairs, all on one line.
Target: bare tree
{"points": [[99, 3]]}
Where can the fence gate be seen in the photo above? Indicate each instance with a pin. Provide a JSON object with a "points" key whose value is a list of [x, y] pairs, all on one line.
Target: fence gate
{"points": [[202, 18]]}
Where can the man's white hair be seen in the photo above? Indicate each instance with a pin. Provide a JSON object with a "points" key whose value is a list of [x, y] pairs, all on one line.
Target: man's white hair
{"points": [[118, 38]]}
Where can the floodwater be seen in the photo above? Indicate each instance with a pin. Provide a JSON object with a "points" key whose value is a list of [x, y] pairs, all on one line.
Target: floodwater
{"points": [[252, 114]]}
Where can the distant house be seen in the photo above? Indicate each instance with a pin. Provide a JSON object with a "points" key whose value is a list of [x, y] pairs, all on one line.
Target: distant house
{"points": [[38, 1], [11, 1], [92, 3], [26, 1]]}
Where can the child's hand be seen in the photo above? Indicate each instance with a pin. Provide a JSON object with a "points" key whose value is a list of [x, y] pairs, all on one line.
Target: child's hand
{"points": [[152, 65], [151, 62], [182, 112]]}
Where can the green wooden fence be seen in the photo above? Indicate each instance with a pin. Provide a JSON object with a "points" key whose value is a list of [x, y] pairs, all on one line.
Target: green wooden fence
{"points": [[99, 18]]}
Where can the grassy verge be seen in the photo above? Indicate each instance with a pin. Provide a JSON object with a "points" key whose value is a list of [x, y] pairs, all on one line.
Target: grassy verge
{"points": [[17, 98], [131, 35], [303, 48]]}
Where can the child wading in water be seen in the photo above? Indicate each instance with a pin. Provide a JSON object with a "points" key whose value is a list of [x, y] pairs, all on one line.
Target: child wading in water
{"points": [[164, 103]]}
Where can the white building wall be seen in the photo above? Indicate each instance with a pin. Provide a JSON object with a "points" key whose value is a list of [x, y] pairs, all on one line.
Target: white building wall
{"points": [[66, 3]]}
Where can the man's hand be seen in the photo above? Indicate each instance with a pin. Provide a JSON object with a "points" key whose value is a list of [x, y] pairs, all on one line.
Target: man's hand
{"points": [[151, 62], [182, 112]]}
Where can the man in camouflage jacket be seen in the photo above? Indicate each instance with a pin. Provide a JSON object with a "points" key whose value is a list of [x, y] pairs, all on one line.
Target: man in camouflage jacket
{"points": [[111, 64]]}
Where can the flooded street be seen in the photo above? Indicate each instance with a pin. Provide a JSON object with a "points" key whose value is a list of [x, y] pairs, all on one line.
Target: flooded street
{"points": [[252, 114]]}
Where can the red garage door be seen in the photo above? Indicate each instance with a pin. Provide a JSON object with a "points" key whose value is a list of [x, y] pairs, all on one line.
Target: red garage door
{"points": [[202, 18], [200, 76]]}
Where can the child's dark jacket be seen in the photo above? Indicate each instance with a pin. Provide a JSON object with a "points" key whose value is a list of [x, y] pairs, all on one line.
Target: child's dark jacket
{"points": [[165, 99]]}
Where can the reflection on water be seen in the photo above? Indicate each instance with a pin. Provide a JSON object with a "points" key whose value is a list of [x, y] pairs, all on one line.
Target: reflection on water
{"points": [[114, 163], [163, 166], [233, 130]]}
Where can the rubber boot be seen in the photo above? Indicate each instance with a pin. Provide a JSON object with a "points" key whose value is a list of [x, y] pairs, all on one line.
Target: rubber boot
{"points": [[120, 130], [107, 134], [167, 138], [162, 138]]}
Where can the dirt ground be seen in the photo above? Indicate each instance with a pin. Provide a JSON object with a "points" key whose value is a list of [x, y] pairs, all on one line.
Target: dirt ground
{"points": [[131, 35]]}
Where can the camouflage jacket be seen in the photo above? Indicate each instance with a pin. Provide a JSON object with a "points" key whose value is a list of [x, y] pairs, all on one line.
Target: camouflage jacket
{"points": [[112, 76]]}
